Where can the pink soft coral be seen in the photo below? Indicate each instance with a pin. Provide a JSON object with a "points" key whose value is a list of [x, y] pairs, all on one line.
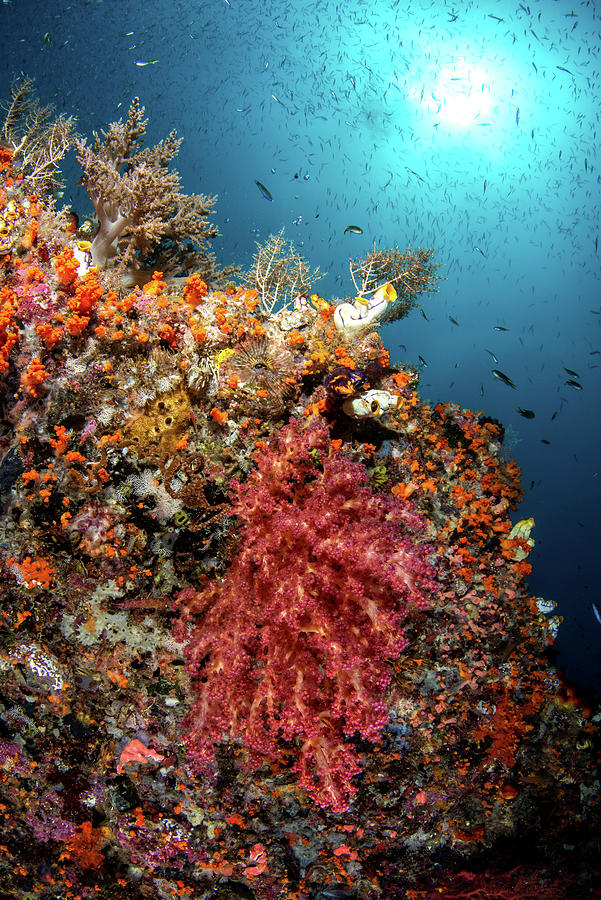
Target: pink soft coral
{"points": [[294, 644]]}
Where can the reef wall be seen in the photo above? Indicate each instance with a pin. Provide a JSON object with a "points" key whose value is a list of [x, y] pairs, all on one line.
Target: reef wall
{"points": [[265, 626]]}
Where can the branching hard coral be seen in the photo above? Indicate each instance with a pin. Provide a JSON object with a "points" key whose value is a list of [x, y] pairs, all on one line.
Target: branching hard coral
{"points": [[136, 197], [411, 273], [37, 141], [293, 646], [279, 274]]}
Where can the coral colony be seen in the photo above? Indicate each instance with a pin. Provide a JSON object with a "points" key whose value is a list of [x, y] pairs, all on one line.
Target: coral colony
{"points": [[265, 629]]}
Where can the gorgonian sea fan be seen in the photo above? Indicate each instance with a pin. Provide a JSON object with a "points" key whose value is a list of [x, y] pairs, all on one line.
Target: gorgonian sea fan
{"points": [[294, 644]]}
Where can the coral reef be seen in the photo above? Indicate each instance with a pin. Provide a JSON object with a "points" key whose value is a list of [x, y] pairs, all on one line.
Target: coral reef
{"points": [[265, 628]]}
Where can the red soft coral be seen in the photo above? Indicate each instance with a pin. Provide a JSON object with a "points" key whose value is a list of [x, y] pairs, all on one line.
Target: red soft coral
{"points": [[294, 644]]}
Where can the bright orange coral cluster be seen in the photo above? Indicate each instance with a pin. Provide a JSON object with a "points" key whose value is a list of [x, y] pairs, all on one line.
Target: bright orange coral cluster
{"points": [[195, 290], [9, 330], [34, 572], [66, 267], [34, 376]]}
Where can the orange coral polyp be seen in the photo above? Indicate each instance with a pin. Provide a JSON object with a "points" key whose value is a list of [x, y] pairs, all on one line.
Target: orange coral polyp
{"points": [[66, 267], [87, 293], [6, 158], [34, 376], [34, 572], [195, 290], [155, 285]]}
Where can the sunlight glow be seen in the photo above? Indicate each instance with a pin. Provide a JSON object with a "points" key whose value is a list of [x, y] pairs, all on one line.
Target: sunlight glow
{"points": [[460, 95]]}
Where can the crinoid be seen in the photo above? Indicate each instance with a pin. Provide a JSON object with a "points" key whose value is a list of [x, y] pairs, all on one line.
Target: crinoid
{"points": [[260, 377]]}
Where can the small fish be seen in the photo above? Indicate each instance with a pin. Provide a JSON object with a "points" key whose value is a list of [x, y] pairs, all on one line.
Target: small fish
{"points": [[151, 62], [47, 40], [571, 372], [574, 384], [412, 172], [563, 69], [517, 116], [424, 315], [422, 361], [526, 413], [354, 229], [493, 355], [454, 321], [264, 191], [500, 328], [504, 378], [480, 251], [544, 441], [597, 612]]}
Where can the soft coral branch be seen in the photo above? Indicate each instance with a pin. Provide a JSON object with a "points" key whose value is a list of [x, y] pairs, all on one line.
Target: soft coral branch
{"points": [[136, 197], [293, 646]]}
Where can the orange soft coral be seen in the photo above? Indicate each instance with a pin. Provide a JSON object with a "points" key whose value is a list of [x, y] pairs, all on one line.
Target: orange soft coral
{"points": [[9, 332], [34, 376], [66, 267], [195, 290], [87, 293]]}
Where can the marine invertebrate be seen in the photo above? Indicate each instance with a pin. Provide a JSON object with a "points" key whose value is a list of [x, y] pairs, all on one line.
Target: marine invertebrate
{"points": [[344, 381], [191, 472], [261, 376], [161, 424], [292, 646], [135, 752], [34, 377], [279, 273], [38, 142], [370, 403], [137, 198], [363, 312], [410, 273], [9, 330]]}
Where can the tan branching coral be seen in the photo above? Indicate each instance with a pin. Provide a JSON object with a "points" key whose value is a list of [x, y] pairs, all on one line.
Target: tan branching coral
{"points": [[137, 198], [38, 142], [410, 272], [279, 273]]}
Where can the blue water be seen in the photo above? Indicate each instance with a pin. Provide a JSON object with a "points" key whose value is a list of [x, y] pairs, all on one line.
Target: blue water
{"points": [[470, 128]]}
